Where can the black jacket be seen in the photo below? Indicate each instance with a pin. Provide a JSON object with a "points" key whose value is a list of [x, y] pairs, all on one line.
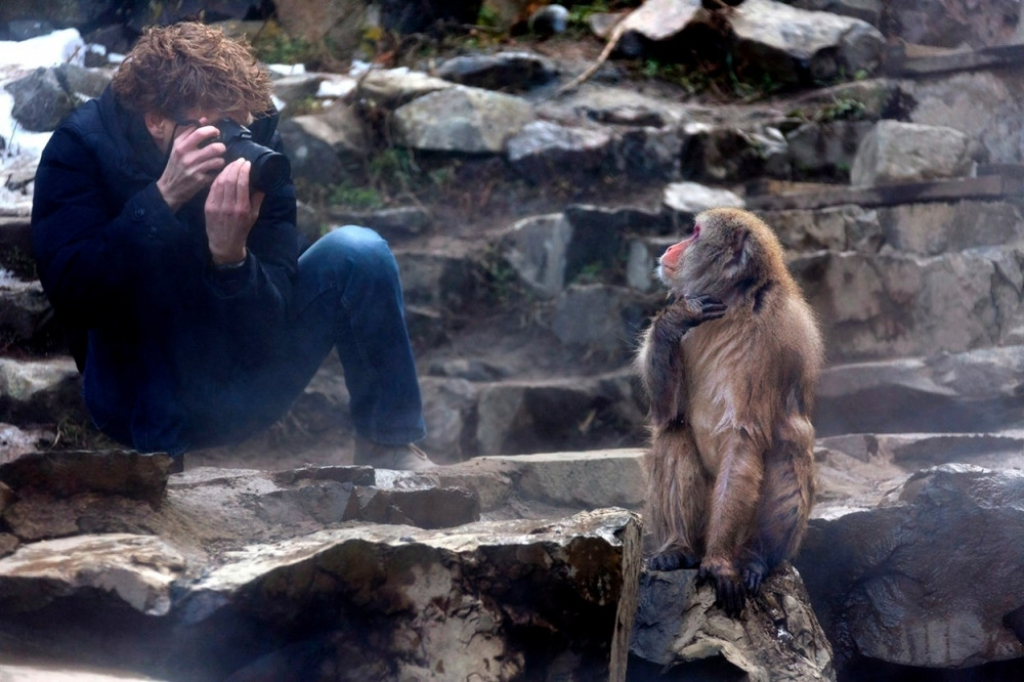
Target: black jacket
{"points": [[162, 337]]}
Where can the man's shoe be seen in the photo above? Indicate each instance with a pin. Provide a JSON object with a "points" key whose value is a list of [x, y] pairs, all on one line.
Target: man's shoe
{"points": [[406, 457]]}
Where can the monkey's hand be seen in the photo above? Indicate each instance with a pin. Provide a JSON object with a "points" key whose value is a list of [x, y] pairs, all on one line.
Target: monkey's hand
{"points": [[729, 592], [672, 560], [685, 314]]}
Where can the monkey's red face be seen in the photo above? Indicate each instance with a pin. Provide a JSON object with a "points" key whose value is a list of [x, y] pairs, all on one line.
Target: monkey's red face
{"points": [[668, 264]]}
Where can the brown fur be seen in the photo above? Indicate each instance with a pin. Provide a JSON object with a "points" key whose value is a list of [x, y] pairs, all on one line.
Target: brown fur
{"points": [[731, 465]]}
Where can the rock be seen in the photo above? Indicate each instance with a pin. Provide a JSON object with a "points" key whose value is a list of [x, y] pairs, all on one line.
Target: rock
{"points": [[964, 392], [619, 220], [444, 281], [393, 224], [40, 101], [643, 261], [59, 13], [295, 88], [40, 391], [546, 153], [793, 46], [866, 10], [954, 23], [419, 16], [647, 153], [826, 150], [907, 152], [579, 480], [7, 497], [17, 672], [842, 228], [337, 22], [536, 247], [598, 318], [8, 544], [659, 20], [449, 410], [16, 243], [869, 99], [886, 305], [325, 148], [136, 570], [468, 369], [505, 71], [982, 102], [26, 318], [423, 506], [60, 47], [721, 153], [461, 119], [548, 20], [777, 638], [81, 82], [687, 199], [523, 417], [873, 575], [67, 473], [391, 88]]}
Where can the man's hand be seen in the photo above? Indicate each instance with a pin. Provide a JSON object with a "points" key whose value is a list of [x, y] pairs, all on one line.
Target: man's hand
{"points": [[190, 167], [231, 212]]}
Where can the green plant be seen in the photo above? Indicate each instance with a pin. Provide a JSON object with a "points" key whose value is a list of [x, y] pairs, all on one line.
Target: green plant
{"points": [[353, 196]]}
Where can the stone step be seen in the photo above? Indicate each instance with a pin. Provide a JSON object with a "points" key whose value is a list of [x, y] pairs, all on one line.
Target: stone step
{"points": [[968, 392], [27, 323]]}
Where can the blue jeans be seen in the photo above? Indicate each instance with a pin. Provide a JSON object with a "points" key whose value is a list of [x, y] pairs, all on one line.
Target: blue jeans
{"points": [[348, 296]]}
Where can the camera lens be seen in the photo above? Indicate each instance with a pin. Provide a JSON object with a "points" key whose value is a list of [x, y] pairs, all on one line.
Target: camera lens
{"points": [[269, 171]]}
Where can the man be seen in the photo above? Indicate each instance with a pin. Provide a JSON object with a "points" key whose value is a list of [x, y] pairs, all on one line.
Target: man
{"points": [[190, 313]]}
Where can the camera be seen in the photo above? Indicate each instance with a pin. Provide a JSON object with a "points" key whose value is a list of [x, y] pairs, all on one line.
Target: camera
{"points": [[269, 170]]}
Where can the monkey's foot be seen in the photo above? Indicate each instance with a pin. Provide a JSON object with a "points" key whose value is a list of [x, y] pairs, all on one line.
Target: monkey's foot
{"points": [[753, 574], [730, 594], [672, 560]]}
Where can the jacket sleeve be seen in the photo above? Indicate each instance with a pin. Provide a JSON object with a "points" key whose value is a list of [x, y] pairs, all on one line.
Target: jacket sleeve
{"points": [[88, 252]]}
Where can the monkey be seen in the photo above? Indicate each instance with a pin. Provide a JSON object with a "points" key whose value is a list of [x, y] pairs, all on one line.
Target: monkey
{"points": [[729, 367]]}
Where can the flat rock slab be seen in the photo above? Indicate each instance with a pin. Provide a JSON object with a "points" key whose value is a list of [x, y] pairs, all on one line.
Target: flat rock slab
{"points": [[382, 602], [71, 472], [16, 672]]}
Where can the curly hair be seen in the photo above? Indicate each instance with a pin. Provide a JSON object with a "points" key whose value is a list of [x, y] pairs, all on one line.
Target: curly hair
{"points": [[175, 68]]}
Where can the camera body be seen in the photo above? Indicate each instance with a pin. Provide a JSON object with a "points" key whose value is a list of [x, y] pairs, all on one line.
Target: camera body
{"points": [[270, 169]]}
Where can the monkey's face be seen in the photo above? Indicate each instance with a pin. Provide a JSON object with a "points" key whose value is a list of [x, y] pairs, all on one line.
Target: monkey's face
{"points": [[718, 255]]}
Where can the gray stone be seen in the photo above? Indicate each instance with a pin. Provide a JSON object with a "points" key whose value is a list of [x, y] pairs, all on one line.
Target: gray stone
{"points": [[82, 82], [869, 99], [40, 391], [137, 570], [442, 281], [691, 198], [396, 223], [647, 153], [291, 89], [896, 152], [597, 318], [777, 639], [796, 46], [522, 417], [337, 22], [15, 441], [876, 576], [826, 150], [988, 104], [659, 20], [312, 158], [7, 497], [8, 544], [964, 392], [55, 11], [391, 88], [69, 472], [40, 100], [505, 71], [643, 258], [536, 247], [26, 318], [545, 152], [888, 305], [842, 228], [866, 10], [725, 153], [461, 119], [426, 506], [449, 410], [954, 23]]}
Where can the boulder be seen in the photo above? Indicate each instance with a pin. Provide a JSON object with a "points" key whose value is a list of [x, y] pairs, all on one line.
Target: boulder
{"points": [[55, 11], [40, 100], [842, 228], [678, 627], [505, 71], [874, 306], [647, 152], [687, 199], [418, 16], [443, 281], [866, 10], [523, 417], [339, 22], [26, 318], [927, 579], [449, 410], [536, 247], [391, 88], [953, 23], [599, 318], [547, 153], [394, 224], [40, 391], [68, 472], [642, 263], [964, 392], [328, 147], [826, 150], [461, 119], [725, 153], [16, 237], [985, 103], [794, 46], [896, 152]]}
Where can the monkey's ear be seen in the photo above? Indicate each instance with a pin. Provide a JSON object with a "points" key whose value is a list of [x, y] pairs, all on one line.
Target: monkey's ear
{"points": [[741, 246]]}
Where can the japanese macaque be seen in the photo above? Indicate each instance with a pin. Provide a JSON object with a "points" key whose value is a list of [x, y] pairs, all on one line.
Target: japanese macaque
{"points": [[729, 366]]}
